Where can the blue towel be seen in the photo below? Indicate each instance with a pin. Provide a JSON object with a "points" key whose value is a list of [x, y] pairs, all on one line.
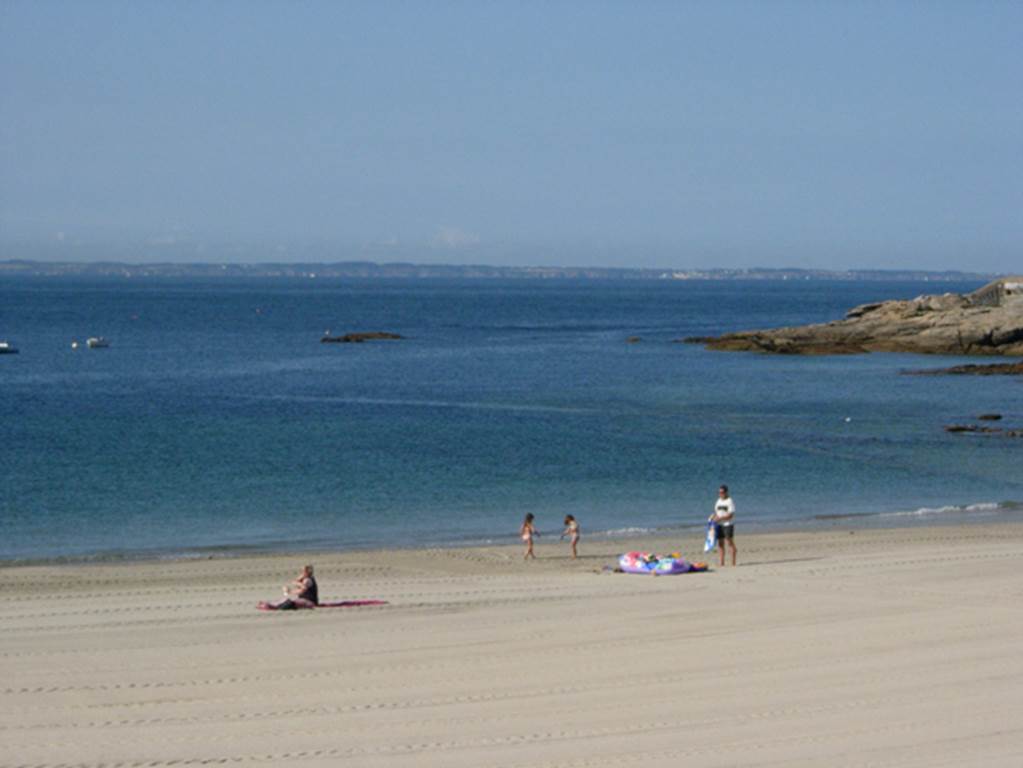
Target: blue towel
{"points": [[711, 541]]}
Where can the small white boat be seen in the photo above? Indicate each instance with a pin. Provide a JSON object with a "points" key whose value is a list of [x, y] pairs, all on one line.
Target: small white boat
{"points": [[97, 342], [6, 348]]}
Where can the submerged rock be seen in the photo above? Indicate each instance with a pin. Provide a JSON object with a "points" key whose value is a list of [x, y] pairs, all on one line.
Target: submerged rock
{"points": [[994, 369], [973, 428], [358, 338], [988, 321]]}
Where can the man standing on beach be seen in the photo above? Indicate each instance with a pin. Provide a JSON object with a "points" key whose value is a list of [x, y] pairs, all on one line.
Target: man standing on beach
{"points": [[724, 525]]}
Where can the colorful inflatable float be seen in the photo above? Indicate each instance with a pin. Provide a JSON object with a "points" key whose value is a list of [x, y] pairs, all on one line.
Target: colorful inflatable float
{"points": [[646, 562]]}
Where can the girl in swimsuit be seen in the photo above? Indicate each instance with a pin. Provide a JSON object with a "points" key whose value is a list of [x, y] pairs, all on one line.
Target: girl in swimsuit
{"points": [[527, 532], [572, 531]]}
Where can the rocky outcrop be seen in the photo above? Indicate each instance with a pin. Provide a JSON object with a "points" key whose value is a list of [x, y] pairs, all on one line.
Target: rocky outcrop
{"points": [[996, 369], [974, 429], [988, 321], [358, 338]]}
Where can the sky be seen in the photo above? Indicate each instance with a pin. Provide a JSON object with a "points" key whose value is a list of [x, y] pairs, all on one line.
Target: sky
{"points": [[831, 135]]}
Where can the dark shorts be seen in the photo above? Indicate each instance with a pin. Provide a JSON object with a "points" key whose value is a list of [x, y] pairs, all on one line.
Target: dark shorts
{"points": [[724, 531]]}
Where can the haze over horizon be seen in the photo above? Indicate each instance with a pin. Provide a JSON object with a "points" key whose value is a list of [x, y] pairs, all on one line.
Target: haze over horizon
{"points": [[701, 135]]}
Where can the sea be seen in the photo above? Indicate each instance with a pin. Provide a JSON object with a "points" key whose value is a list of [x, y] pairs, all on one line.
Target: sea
{"points": [[216, 423]]}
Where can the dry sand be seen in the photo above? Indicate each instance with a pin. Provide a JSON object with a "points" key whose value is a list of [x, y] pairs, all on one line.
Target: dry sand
{"points": [[873, 648]]}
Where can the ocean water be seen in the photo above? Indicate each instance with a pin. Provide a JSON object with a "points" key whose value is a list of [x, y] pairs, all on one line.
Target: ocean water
{"points": [[216, 421]]}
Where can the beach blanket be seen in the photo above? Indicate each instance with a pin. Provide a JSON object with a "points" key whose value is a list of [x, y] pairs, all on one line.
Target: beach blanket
{"points": [[711, 541], [264, 606]]}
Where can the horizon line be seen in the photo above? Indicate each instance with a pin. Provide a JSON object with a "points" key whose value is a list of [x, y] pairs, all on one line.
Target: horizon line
{"points": [[306, 269]]}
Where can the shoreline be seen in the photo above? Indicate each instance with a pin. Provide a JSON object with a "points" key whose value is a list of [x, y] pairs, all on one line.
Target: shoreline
{"points": [[549, 550], [979, 514]]}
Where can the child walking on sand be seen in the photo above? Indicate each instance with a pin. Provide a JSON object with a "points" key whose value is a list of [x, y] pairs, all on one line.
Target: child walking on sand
{"points": [[572, 531], [527, 532]]}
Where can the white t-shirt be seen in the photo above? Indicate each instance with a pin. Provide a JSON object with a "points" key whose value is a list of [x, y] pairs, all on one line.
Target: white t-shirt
{"points": [[722, 508]]}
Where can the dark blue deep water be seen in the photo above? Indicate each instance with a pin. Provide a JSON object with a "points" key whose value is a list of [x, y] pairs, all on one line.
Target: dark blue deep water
{"points": [[217, 421]]}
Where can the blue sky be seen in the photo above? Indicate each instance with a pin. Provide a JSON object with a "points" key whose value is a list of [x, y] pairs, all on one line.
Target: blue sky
{"points": [[831, 135]]}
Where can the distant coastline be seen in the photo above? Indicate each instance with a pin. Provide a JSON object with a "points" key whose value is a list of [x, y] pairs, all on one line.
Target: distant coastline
{"points": [[405, 270]]}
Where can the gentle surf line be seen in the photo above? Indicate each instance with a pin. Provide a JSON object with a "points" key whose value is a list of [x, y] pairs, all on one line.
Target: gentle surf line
{"points": [[419, 403]]}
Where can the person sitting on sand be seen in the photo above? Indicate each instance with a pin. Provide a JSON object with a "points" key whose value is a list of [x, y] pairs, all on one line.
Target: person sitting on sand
{"points": [[300, 593], [572, 531], [527, 532], [724, 525]]}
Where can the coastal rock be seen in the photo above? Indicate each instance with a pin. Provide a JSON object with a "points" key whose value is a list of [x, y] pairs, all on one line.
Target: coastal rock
{"points": [[974, 429], [988, 321], [994, 369], [358, 338]]}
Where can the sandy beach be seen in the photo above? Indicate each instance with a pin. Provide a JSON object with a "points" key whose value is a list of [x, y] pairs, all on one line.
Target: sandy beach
{"points": [[838, 648]]}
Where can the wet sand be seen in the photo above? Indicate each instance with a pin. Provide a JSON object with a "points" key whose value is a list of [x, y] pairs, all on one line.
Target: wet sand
{"points": [[839, 648]]}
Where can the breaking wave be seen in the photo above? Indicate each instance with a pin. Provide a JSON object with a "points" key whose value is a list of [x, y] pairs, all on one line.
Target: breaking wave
{"points": [[985, 508]]}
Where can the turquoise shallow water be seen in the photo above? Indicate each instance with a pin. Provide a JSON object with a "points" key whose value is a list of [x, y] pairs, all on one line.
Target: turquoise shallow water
{"points": [[216, 421]]}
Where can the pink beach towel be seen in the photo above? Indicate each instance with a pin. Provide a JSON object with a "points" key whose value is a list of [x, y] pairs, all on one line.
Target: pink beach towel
{"points": [[264, 606]]}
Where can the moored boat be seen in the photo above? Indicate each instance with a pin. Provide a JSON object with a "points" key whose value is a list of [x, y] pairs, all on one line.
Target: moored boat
{"points": [[97, 342]]}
